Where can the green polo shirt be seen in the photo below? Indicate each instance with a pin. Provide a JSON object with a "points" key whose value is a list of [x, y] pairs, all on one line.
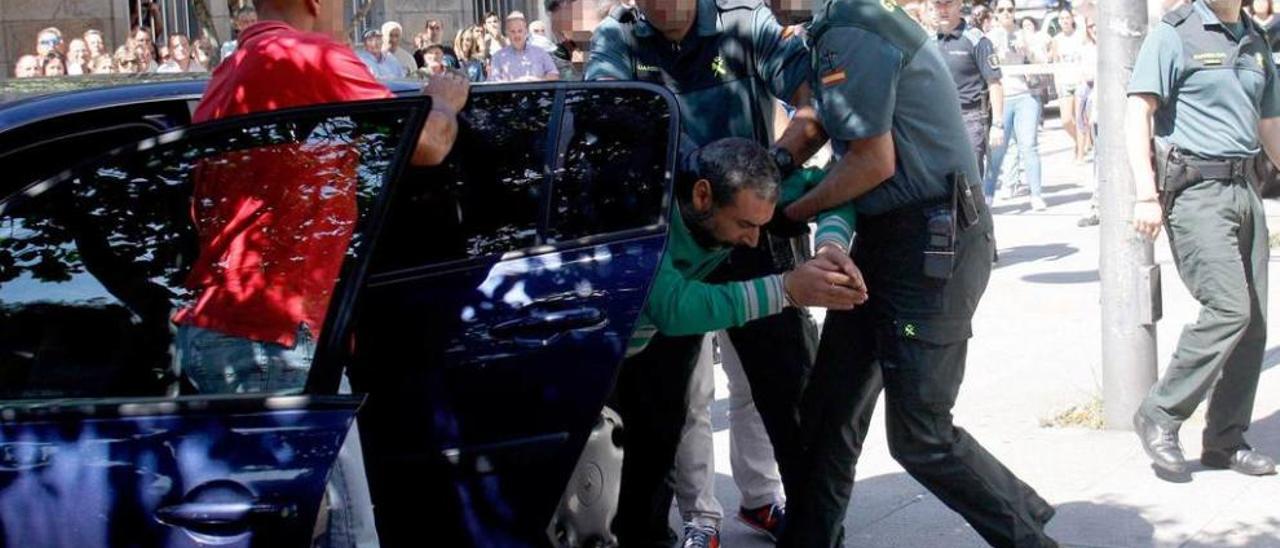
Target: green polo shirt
{"points": [[1213, 83], [681, 304], [875, 71], [725, 73]]}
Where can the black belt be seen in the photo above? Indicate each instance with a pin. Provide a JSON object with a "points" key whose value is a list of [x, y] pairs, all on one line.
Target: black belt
{"points": [[974, 105], [1220, 169]]}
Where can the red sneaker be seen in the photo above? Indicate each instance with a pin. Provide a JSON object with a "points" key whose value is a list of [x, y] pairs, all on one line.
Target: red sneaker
{"points": [[767, 519]]}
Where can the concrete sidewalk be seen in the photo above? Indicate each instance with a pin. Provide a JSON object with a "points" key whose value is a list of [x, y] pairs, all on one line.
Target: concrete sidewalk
{"points": [[1036, 352]]}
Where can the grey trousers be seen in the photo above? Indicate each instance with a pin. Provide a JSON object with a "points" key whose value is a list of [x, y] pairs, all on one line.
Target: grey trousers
{"points": [[1218, 233]]}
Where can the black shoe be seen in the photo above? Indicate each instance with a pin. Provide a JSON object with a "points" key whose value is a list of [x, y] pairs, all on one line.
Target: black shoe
{"points": [[1088, 220], [1243, 459], [1161, 444]]}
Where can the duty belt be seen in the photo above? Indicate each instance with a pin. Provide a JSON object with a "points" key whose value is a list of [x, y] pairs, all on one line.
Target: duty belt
{"points": [[1219, 169]]}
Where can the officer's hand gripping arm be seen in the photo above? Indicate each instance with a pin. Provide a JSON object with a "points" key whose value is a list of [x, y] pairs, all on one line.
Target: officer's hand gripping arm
{"points": [[868, 163]]}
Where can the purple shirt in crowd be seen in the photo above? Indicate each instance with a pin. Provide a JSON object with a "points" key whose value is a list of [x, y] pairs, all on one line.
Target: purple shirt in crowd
{"points": [[510, 65]]}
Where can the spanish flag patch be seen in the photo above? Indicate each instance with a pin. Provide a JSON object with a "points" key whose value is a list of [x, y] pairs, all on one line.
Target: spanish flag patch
{"points": [[834, 77]]}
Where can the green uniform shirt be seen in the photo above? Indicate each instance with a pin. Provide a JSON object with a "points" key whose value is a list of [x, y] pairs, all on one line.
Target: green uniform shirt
{"points": [[725, 73], [1213, 84], [681, 304], [876, 71]]}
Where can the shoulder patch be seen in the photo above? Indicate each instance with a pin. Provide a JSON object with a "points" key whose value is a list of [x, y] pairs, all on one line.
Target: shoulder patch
{"points": [[993, 61]]}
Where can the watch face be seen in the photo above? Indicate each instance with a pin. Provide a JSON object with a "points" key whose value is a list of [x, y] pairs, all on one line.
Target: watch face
{"points": [[782, 157]]}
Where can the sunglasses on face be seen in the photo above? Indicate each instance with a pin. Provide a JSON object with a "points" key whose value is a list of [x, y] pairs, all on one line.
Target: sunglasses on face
{"points": [[50, 41], [1004, 10]]}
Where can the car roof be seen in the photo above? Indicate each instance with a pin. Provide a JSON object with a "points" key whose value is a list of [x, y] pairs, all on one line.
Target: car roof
{"points": [[29, 110]]}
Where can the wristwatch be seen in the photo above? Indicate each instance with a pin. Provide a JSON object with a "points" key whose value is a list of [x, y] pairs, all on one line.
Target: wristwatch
{"points": [[999, 126], [783, 159]]}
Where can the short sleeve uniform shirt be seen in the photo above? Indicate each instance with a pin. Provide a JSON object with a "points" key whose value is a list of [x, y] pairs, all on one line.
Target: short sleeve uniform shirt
{"points": [[972, 60]]}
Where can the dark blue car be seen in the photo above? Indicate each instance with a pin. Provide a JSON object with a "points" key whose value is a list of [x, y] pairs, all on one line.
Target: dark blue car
{"points": [[482, 312]]}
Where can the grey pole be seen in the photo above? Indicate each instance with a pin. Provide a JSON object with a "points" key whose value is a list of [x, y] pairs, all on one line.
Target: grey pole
{"points": [[1130, 279]]}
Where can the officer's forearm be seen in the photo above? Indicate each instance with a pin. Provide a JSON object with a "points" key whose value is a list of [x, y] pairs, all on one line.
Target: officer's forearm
{"points": [[436, 139], [996, 91], [804, 135], [867, 164], [1269, 133], [1137, 129]]}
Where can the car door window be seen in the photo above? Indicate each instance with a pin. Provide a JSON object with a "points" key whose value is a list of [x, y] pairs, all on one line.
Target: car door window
{"points": [[94, 265], [487, 197], [614, 153]]}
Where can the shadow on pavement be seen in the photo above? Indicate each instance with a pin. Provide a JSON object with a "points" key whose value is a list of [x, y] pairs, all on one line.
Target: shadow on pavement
{"points": [[1073, 277], [1026, 253], [1103, 523]]}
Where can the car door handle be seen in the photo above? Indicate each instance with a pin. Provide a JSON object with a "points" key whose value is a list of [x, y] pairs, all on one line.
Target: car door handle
{"points": [[221, 508], [540, 328]]}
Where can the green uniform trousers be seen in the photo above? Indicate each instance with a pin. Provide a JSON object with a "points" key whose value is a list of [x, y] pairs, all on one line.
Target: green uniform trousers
{"points": [[1218, 233]]}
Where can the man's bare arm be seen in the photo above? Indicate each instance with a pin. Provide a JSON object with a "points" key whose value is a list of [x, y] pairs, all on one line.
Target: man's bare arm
{"points": [[867, 164], [448, 94]]}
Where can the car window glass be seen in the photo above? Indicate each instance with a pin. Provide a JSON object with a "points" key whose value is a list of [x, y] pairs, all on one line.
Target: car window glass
{"points": [[486, 198], [94, 269], [614, 150]]}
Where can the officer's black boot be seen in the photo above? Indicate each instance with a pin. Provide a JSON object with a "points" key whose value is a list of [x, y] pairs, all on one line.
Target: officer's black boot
{"points": [[1160, 443]]}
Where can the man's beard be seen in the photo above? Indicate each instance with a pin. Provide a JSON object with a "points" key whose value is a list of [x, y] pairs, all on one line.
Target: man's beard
{"points": [[696, 222]]}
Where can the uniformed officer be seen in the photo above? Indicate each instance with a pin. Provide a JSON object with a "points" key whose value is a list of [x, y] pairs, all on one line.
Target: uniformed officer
{"points": [[975, 67], [727, 61], [1208, 122], [924, 246]]}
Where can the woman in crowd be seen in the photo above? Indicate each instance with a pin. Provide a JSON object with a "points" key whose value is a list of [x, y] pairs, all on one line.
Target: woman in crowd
{"points": [[54, 65], [144, 48], [97, 46], [472, 54], [1064, 51], [1263, 12], [494, 41], [180, 57], [1022, 108], [77, 57], [101, 64], [126, 60]]}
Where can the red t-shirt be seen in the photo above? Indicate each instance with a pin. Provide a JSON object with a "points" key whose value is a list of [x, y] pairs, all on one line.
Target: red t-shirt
{"points": [[275, 222]]}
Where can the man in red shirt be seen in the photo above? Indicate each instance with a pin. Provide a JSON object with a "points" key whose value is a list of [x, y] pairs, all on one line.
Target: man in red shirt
{"points": [[274, 222]]}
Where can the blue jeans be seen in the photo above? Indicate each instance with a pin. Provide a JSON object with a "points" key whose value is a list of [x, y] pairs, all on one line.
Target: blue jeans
{"points": [[1022, 124], [217, 363]]}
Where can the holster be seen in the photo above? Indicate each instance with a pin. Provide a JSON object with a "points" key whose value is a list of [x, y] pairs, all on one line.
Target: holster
{"points": [[943, 222]]}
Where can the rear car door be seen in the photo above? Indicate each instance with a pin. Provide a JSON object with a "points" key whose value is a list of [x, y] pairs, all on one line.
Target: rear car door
{"points": [[502, 293], [101, 441]]}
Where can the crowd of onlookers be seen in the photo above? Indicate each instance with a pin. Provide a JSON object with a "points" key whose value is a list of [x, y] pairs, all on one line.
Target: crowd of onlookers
{"points": [[499, 50], [59, 54]]}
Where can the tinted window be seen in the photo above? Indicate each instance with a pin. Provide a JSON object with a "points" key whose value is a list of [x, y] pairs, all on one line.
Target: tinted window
{"points": [[487, 197], [614, 149], [93, 269]]}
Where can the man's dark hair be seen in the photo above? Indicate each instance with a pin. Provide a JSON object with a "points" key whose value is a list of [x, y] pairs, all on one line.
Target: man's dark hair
{"points": [[732, 165]]}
